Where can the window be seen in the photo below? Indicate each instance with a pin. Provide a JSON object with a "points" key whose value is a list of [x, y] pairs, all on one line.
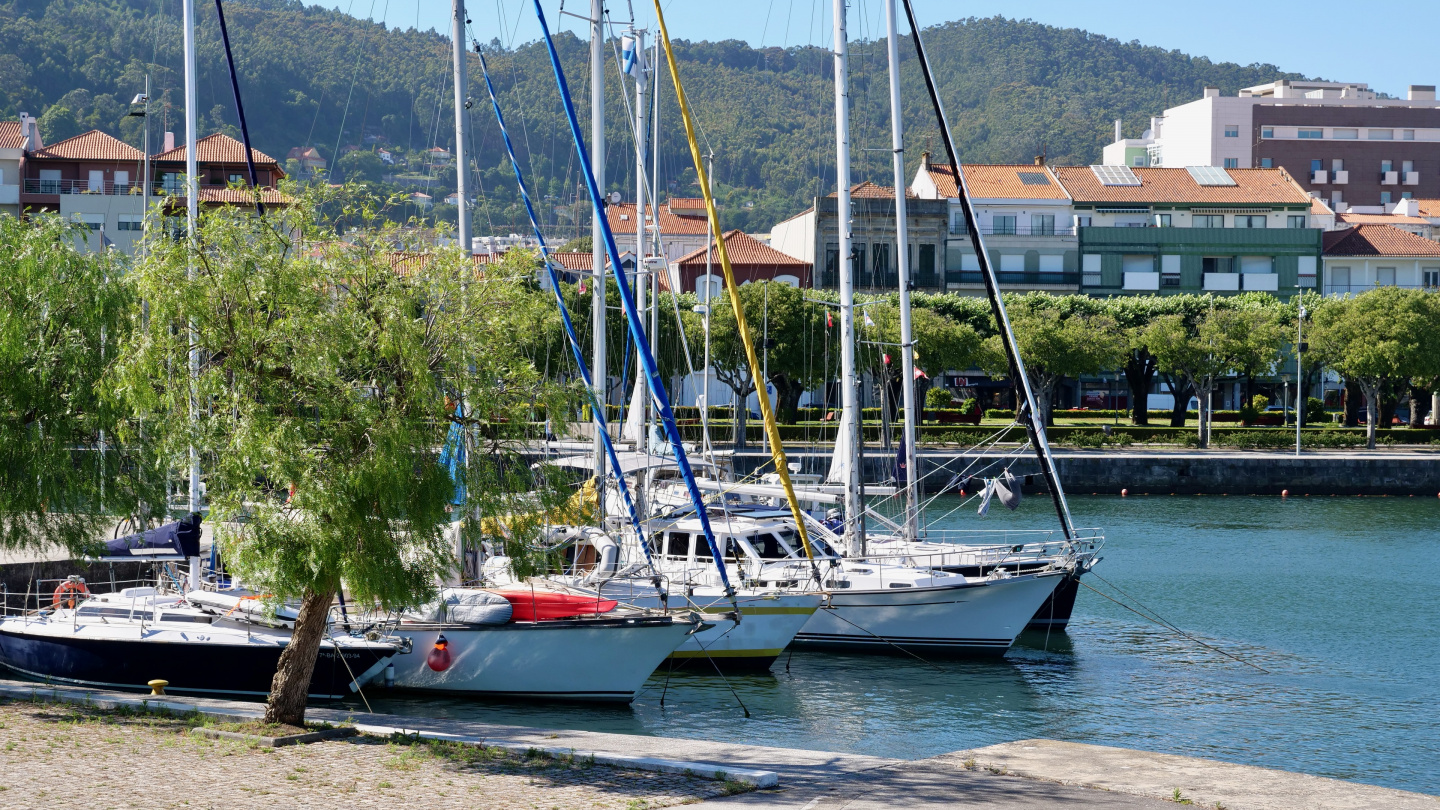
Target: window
{"points": [[122, 181], [94, 222], [1012, 262], [1337, 165], [130, 222], [769, 547], [1003, 224], [1407, 195], [1267, 163], [857, 264], [1407, 166], [678, 545], [235, 179], [1430, 277], [96, 183], [1170, 271], [173, 182], [1267, 132], [1162, 220], [1232, 163], [49, 181], [1250, 220], [1387, 166], [1338, 279], [1138, 162], [1042, 224], [1337, 198], [1317, 165], [880, 264], [957, 222], [1232, 130], [1382, 134], [1384, 198], [1217, 264], [1296, 221], [1257, 264], [1082, 222], [831, 278], [1207, 221], [1407, 135], [1314, 134], [925, 271], [1345, 134], [1385, 276]]}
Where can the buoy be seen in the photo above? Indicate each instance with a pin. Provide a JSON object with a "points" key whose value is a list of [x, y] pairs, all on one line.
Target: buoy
{"points": [[157, 686], [439, 658], [1124, 492], [1284, 493]]}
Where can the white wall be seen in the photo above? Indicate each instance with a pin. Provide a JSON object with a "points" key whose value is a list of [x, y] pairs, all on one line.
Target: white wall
{"points": [[1365, 272], [796, 237], [1195, 133]]}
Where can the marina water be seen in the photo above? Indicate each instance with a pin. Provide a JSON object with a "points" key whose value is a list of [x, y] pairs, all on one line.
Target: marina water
{"points": [[1335, 598]]}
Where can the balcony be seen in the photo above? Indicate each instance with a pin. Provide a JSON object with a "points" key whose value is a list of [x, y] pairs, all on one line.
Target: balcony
{"points": [[1389, 178], [1412, 178], [1341, 178], [1017, 279], [1320, 177], [1142, 281], [33, 186], [1267, 282], [1016, 230], [1222, 282]]}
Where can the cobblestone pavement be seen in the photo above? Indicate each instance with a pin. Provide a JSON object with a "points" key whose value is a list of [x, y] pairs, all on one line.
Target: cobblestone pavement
{"points": [[54, 755]]}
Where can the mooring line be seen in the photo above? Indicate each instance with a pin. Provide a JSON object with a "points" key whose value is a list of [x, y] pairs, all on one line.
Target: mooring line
{"points": [[886, 640], [1174, 628]]}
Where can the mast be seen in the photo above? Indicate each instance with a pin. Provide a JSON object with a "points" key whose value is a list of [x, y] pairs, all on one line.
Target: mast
{"points": [[462, 116], [1026, 413], [847, 447], [709, 285], [192, 214], [597, 232], [902, 260]]}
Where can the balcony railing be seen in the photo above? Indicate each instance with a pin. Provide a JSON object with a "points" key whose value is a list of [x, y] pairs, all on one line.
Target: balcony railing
{"points": [[1356, 289], [1018, 279], [1017, 230], [33, 186]]}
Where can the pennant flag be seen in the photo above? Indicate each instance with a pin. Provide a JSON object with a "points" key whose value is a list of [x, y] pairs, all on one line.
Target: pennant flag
{"points": [[632, 60], [868, 321], [887, 359], [582, 286], [919, 374], [829, 321]]}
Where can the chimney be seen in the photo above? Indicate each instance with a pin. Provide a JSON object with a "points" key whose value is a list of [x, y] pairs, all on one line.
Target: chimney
{"points": [[1118, 137], [1039, 160], [1212, 92], [1422, 92], [925, 160], [169, 142], [30, 128]]}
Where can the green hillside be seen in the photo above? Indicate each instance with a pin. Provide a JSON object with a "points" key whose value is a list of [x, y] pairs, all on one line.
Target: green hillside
{"points": [[316, 76]]}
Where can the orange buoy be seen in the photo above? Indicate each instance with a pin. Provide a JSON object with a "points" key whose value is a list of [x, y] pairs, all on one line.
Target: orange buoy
{"points": [[70, 593], [1284, 493], [439, 658]]}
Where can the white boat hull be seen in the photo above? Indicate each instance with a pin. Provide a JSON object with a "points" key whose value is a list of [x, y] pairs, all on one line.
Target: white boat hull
{"points": [[586, 659], [768, 623], [962, 619]]}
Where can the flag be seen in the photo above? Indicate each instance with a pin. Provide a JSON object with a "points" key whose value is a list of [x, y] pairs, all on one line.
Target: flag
{"points": [[887, 359], [632, 59], [919, 373], [829, 321], [868, 321], [582, 286]]}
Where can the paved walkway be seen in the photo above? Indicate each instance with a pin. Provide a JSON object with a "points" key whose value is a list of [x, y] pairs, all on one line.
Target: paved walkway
{"points": [[1014, 776]]}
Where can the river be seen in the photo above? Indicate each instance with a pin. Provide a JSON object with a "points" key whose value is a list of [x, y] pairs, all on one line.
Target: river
{"points": [[1333, 598]]}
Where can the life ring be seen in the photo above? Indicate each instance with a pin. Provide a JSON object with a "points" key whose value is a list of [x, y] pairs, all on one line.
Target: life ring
{"points": [[70, 593]]}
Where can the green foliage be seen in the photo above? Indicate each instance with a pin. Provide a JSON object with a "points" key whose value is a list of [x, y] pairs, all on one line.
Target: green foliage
{"points": [[937, 398], [359, 166], [62, 313]]}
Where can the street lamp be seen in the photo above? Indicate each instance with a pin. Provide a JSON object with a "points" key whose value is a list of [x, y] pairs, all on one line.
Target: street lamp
{"points": [[142, 100], [1299, 373], [1285, 398]]}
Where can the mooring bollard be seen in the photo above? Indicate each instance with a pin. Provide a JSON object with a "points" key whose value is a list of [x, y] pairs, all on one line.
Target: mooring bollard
{"points": [[157, 687]]}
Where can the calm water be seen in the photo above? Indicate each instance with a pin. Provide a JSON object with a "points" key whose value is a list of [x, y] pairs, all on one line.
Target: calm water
{"points": [[1334, 597]]}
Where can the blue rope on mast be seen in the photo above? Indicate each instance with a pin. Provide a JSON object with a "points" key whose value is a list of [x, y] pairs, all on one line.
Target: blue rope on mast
{"points": [[595, 409], [637, 333]]}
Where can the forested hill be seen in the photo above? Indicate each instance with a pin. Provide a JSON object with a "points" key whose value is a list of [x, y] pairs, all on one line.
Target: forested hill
{"points": [[1012, 88]]}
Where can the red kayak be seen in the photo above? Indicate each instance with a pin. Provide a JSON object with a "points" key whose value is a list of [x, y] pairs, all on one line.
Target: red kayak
{"points": [[534, 606]]}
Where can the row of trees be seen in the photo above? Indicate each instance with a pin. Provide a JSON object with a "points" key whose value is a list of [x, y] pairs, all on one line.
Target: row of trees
{"points": [[327, 385], [1384, 343]]}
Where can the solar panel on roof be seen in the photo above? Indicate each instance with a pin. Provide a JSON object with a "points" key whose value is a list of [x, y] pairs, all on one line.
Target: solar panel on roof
{"points": [[1034, 178], [1211, 176], [1115, 176]]}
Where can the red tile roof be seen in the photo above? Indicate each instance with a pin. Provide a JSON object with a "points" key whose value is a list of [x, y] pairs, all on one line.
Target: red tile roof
{"points": [[1378, 240], [11, 135], [233, 196], [1252, 186], [998, 181], [92, 145], [218, 148], [1318, 208], [1379, 219], [1429, 208], [743, 249], [670, 224], [687, 203], [869, 191]]}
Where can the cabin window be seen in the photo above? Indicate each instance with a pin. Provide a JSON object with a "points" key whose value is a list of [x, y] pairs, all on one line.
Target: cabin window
{"points": [[769, 547], [678, 545]]}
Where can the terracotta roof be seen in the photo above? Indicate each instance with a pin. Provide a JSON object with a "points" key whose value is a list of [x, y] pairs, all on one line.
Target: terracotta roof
{"points": [[217, 148], [1429, 208], [1252, 186], [742, 248], [92, 145], [999, 181], [304, 153], [670, 224], [1378, 240], [11, 135], [238, 196], [1379, 219], [687, 203], [1318, 208], [578, 262], [869, 191]]}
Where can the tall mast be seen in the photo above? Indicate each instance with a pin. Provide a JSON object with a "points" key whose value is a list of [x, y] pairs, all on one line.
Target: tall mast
{"points": [[192, 214], [849, 439], [902, 261], [597, 232], [641, 280], [462, 120]]}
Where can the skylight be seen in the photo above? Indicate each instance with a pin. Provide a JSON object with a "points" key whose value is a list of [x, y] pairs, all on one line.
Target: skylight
{"points": [[1210, 176], [1115, 176], [1034, 178]]}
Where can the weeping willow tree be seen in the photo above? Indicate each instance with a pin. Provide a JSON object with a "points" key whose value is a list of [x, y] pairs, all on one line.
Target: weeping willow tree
{"points": [[334, 373], [64, 476]]}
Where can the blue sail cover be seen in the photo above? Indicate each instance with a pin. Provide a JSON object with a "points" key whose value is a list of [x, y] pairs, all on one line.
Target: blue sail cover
{"points": [[452, 457], [163, 542]]}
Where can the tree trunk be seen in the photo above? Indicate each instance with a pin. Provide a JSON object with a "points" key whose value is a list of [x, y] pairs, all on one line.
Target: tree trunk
{"points": [[1180, 393], [1139, 374], [291, 686], [1350, 403], [1419, 405], [1202, 397], [742, 416], [1372, 407]]}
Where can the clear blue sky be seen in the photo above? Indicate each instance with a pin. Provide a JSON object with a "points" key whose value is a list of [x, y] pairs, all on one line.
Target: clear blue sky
{"points": [[1382, 42]]}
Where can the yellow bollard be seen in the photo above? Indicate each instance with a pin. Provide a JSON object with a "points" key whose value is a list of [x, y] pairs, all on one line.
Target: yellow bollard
{"points": [[157, 686]]}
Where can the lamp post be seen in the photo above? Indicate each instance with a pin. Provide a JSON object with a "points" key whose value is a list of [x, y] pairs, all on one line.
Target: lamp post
{"points": [[1299, 374], [1285, 398], [143, 100]]}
